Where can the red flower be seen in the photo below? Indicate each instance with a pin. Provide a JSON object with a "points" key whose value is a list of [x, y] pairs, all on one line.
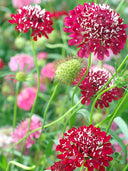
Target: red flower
{"points": [[58, 14], [85, 145], [35, 18], [93, 82], [61, 166], [95, 28], [2, 64]]}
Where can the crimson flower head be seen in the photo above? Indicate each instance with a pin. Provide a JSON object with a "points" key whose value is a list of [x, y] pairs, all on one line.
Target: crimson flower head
{"points": [[61, 166], [2, 64], [88, 146], [95, 28], [35, 18], [93, 82]]}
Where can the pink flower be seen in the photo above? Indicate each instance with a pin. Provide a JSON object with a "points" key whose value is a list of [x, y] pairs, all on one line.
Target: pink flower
{"points": [[21, 61], [114, 126], [110, 68], [26, 98], [118, 148], [42, 83], [21, 131], [93, 82], [85, 145], [48, 70], [95, 28], [42, 55], [35, 18], [21, 3]]}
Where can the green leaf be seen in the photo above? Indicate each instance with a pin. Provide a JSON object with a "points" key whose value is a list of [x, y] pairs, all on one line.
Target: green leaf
{"points": [[122, 125], [121, 144], [8, 73], [48, 150]]}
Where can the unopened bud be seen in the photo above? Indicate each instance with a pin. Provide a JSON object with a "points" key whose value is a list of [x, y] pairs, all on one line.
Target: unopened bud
{"points": [[21, 76]]}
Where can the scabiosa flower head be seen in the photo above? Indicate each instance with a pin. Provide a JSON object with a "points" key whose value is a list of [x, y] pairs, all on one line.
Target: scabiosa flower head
{"points": [[21, 61], [26, 98], [42, 55], [68, 71], [86, 145], [95, 28], [61, 166], [35, 18], [21, 131], [93, 82], [48, 71]]}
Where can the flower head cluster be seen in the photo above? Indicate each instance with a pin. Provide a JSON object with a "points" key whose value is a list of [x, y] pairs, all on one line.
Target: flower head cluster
{"points": [[22, 128], [48, 71], [86, 145], [95, 28], [21, 61], [61, 166], [26, 98], [93, 82], [35, 18]]}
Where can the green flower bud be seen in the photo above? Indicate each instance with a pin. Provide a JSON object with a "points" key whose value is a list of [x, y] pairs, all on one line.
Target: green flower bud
{"points": [[53, 36], [21, 76], [68, 71], [19, 42], [97, 117], [10, 98], [41, 62]]}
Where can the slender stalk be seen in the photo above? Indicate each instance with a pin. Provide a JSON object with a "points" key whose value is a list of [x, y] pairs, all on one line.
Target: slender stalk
{"points": [[118, 69], [37, 92], [120, 5], [65, 125], [115, 161], [15, 105], [89, 64], [93, 105], [20, 165], [46, 110], [45, 126], [126, 168], [115, 113], [109, 116], [82, 167], [59, 45]]}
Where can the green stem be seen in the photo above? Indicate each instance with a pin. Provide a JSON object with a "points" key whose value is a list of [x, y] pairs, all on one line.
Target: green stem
{"points": [[115, 161], [82, 167], [126, 168], [46, 110], [50, 124], [59, 45], [65, 125], [37, 92], [117, 108], [93, 105], [120, 5], [20, 165], [15, 105], [118, 69], [75, 88], [116, 111]]}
